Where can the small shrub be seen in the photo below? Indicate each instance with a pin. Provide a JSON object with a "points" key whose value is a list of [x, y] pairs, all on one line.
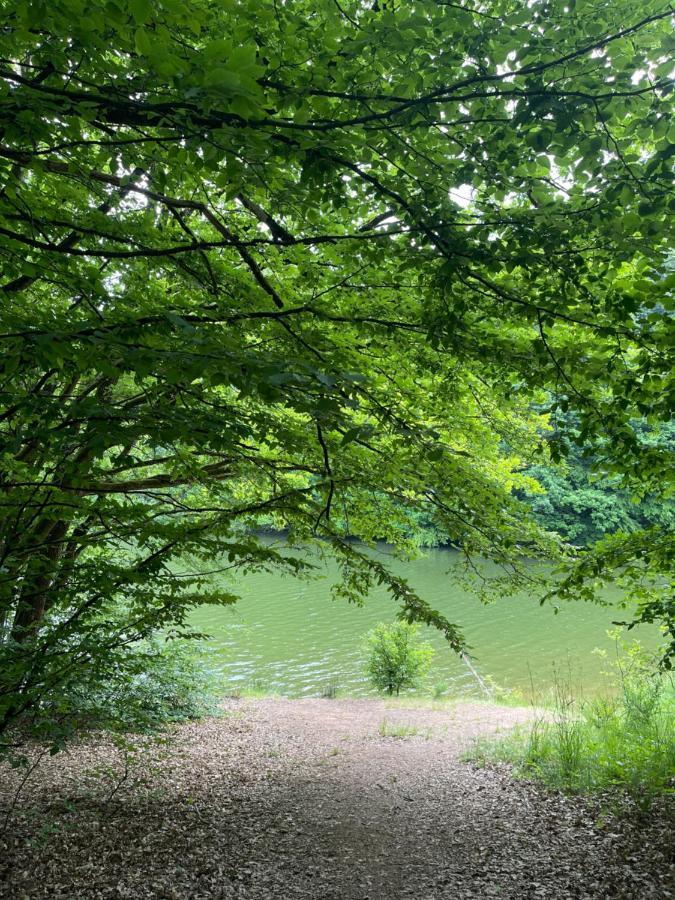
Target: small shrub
{"points": [[175, 683], [504, 696], [330, 690], [258, 686], [257, 689], [439, 690], [397, 658]]}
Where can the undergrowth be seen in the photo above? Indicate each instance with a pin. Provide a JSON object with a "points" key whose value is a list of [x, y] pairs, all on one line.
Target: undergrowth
{"points": [[625, 741], [153, 683]]}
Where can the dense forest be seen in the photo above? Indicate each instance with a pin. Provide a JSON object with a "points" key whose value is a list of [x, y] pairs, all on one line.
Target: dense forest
{"points": [[582, 506]]}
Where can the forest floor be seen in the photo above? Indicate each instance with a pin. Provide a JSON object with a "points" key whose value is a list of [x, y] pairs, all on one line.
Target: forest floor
{"points": [[321, 799]]}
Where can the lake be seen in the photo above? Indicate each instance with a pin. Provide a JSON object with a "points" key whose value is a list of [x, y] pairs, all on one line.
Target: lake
{"points": [[288, 636]]}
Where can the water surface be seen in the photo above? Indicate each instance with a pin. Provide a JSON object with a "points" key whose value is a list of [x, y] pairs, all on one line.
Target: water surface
{"points": [[289, 636]]}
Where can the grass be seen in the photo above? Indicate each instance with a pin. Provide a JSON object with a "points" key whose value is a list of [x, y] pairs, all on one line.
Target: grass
{"points": [[330, 690], [440, 695], [437, 698], [624, 742], [388, 729], [256, 690]]}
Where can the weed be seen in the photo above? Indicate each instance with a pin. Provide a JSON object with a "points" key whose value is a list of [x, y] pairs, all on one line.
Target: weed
{"points": [[329, 690], [625, 742], [388, 729]]}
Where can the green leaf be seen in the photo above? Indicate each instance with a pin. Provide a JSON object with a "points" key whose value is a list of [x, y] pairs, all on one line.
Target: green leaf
{"points": [[142, 41], [141, 10]]}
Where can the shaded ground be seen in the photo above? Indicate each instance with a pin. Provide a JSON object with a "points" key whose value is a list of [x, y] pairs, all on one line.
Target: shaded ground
{"points": [[320, 799]]}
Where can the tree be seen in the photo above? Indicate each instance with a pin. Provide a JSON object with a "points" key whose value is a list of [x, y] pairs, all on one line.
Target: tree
{"points": [[583, 504], [286, 259], [396, 657]]}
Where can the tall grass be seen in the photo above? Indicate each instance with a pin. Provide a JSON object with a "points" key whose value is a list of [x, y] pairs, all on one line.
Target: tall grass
{"points": [[625, 741]]}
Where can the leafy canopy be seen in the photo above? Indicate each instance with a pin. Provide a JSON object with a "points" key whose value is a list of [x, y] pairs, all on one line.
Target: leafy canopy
{"points": [[298, 258]]}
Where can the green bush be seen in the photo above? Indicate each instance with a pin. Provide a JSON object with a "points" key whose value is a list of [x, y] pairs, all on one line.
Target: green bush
{"points": [[167, 681], [397, 658], [144, 686], [626, 741]]}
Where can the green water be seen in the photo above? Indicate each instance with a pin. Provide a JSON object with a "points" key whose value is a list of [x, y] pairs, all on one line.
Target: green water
{"points": [[289, 636]]}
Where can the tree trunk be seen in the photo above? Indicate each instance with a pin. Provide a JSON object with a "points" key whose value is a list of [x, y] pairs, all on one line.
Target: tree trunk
{"points": [[33, 600]]}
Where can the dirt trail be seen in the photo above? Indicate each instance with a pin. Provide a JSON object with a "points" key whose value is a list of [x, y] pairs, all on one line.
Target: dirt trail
{"points": [[319, 799]]}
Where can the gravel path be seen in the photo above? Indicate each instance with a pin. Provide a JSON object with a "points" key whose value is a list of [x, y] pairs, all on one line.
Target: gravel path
{"points": [[318, 799]]}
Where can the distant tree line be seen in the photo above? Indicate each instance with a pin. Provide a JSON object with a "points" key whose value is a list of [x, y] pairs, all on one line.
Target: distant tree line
{"points": [[583, 506]]}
